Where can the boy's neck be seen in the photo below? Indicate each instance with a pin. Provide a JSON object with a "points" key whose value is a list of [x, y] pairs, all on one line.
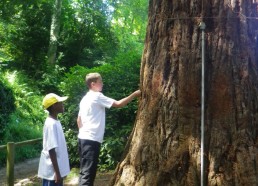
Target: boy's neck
{"points": [[53, 116], [94, 90]]}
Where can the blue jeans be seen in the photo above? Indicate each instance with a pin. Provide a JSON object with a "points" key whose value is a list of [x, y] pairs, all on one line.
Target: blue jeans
{"points": [[50, 183], [89, 155]]}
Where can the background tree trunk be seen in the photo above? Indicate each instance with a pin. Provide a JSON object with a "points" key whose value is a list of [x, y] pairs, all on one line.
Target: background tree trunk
{"points": [[164, 147], [54, 32]]}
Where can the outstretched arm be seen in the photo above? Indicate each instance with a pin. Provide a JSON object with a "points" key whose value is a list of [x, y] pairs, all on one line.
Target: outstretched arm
{"points": [[126, 100]]}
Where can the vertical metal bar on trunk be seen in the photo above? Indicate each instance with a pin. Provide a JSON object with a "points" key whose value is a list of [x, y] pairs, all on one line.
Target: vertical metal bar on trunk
{"points": [[202, 27]]}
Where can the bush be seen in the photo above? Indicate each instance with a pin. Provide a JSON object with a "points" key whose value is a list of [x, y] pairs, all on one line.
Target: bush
{"points": [[7, 106], [26, 120], [17, 132], [52, 76]]}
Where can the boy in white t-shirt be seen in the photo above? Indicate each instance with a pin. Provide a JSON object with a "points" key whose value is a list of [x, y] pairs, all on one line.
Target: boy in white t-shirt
{"points": [[91, 124], [54, 161]]}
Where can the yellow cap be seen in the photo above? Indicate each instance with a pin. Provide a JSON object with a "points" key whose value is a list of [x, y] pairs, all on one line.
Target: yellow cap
{"points": [[51, 99]]}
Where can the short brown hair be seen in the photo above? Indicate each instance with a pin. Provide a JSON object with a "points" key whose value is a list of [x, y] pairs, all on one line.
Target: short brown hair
{"points": [[92, 77]]}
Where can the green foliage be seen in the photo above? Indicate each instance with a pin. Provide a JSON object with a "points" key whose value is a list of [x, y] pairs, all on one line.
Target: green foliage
{"points": [[7, 105], [113, 146], [26, 121], [25, 34], [103, 36], [72, 146], [27, 98], [129, 23], [86, 38], [51, 78], [85, 34], [22, 131]]}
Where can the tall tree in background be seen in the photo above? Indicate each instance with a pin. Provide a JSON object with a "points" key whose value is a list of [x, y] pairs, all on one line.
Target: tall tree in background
{"points": [[24, 34], [129, 22], [164, 147], [54, 32], [86, 35]]}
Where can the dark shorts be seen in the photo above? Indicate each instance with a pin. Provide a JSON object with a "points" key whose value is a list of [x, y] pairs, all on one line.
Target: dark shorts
{"points": [[50, 183]]}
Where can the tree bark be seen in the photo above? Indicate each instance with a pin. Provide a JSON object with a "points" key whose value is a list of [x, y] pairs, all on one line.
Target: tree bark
{"points": [[165, 145], [54, 32]]}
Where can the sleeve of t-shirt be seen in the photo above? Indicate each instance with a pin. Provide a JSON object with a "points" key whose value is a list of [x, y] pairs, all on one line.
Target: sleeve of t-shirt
{"points": [[79, 113], [51, 135], [105, 101]]}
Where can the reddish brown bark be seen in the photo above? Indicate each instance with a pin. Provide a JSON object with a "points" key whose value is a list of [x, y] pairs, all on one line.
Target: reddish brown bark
{"points": [[164, 148]]}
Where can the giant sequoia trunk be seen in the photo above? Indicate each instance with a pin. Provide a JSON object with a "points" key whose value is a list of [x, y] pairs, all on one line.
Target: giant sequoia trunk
{"points": [[164, 147]]}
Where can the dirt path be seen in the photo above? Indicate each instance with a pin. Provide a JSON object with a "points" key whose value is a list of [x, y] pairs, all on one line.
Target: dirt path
{"points": [[23, 170], [25, 173]]}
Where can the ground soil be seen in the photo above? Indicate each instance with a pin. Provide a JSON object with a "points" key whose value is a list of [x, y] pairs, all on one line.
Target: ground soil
{"points": [[25, 173]]}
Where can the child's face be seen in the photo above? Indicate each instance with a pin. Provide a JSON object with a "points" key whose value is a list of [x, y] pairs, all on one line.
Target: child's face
{"points": [[97, 86], [59, 107]]}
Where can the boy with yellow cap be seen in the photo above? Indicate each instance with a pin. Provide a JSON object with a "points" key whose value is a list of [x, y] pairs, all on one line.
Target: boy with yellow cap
{"points": [[54, 161]]}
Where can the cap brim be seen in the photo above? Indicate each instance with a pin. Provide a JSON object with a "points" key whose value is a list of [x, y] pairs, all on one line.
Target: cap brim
{"points": [[61, 99]]}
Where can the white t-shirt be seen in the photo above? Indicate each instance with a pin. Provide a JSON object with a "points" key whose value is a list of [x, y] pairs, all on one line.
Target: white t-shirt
{"points": [[53, 137], [93, 115]]}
